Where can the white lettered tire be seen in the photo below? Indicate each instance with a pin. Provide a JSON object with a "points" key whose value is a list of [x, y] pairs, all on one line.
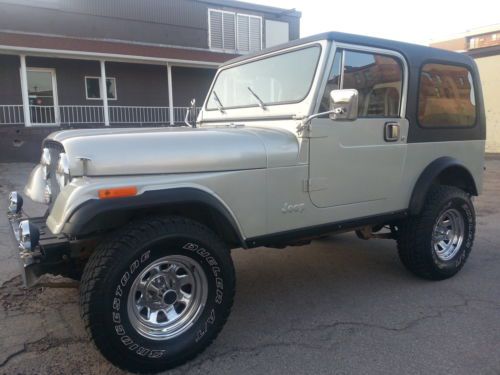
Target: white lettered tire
{"points": [[157, 293]]}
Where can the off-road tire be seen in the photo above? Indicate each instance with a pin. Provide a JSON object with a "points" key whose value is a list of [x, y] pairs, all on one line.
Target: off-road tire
{"points": [[110, 273], [415, 234]]}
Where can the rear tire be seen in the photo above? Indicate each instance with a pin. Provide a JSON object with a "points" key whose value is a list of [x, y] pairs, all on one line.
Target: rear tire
{"points": [[157, 293], [436, 244]]}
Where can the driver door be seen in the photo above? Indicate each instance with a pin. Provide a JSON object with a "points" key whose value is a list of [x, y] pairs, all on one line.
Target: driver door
{"points": [[360, 162]]}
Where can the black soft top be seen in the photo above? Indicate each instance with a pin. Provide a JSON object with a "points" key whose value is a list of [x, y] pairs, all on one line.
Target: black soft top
{"points": [[412, 52]]}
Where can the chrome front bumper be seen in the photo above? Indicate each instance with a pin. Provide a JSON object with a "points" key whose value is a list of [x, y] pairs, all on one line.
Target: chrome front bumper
{"points": [[48, 253], [26, 257]]}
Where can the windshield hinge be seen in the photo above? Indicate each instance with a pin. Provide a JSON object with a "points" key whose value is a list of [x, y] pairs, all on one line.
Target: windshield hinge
{"points": [[303, 127]]}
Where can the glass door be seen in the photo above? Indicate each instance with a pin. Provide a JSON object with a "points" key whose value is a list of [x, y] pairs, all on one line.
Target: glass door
{"points": [[42, 92]]}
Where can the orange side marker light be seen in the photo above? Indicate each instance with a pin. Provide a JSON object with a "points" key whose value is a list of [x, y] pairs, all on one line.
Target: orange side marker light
{"points": [[121, 192]]}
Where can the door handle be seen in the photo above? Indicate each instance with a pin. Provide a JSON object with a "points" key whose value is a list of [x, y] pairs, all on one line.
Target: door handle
{"points": [[392, 131]]}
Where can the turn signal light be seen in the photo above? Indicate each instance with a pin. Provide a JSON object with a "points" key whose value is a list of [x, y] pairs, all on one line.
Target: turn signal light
{"points": [[120, 192]]}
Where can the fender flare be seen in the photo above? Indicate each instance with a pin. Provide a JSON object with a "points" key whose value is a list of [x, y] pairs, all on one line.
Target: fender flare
{"points": [[430, 174], [89, 216]]}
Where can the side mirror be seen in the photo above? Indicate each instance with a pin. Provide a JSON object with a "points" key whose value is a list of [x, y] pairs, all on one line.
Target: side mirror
{"points": [[344, 104]]}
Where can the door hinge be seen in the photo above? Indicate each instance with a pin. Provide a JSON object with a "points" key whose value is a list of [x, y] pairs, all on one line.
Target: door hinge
{"points": [[315, 184]]}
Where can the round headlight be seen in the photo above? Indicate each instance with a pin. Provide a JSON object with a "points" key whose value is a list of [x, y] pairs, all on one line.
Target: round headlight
{"points": [[24, 235], [15, 202], [62, 172], [29, 236]]}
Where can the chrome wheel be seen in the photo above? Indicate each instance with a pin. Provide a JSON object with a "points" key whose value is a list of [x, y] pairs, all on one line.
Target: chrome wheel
{"points": [[167, 297], [448, 234]]}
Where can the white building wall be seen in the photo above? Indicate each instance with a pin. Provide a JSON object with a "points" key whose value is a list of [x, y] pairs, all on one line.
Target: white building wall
{"points": [[489, 70]]}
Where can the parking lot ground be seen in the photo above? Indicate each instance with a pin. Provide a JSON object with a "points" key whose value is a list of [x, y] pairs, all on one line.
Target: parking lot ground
{"points": [[338, 306]]}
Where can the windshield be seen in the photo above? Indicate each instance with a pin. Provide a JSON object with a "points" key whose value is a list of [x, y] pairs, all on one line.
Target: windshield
{"points": [[284, 78]]}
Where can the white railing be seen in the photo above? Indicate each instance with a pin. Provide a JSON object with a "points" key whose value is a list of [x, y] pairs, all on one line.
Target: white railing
{"points": [[81, 114], [138, 115], [94, 115], [11, 114], [43, 115], [148, 115]]}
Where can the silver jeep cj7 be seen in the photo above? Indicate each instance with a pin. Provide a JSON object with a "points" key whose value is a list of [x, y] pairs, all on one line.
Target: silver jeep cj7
{"points": [[330, 133]]}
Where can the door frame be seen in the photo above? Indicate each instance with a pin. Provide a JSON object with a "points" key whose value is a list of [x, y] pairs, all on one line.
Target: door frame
{"points": [[52, 72], [359, 48]]}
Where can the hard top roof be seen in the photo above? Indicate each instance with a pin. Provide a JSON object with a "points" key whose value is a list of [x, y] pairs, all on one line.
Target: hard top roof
{"points": [[411, 51]]}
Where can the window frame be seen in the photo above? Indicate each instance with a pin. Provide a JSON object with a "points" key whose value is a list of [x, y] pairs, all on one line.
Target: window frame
{"points": [[54, 92], [236, 14], [474, 87], [263, 57], [99, 79], [342, 71], [374, 50], [250, 16]]}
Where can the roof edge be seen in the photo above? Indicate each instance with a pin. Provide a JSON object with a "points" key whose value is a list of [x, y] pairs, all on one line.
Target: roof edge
{"points": [[255, 7], [477, 31], [340, 37], [108, 40], [30, 43]]}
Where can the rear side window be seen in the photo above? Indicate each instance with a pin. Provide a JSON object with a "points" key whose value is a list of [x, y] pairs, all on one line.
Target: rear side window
{"points": [[446, 97]]}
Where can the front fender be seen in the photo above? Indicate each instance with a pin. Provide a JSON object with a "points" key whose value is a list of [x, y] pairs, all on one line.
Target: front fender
{"points": [[78, 211], [97, 214]]}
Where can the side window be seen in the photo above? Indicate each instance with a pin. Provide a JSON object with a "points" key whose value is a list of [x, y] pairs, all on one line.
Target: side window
{"points": [[333, 82], [446, 96], [377, 77]]}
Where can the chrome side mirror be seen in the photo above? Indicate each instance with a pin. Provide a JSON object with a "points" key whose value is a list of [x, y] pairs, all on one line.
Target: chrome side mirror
{"points": [[343, 104]]}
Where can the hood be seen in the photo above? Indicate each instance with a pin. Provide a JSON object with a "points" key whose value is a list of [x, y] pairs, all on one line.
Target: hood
{"points": [[176, 150]]}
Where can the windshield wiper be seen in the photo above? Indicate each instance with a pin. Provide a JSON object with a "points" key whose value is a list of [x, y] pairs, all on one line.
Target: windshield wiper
{"points": [[261, 103], [218, 103]]}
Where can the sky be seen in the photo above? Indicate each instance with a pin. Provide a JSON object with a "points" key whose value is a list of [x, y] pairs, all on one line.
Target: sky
{"points": [[417, 21]]}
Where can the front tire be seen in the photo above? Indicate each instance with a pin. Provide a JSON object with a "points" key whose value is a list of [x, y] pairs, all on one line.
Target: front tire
{"points": [[157, 293], [436, 244]]}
